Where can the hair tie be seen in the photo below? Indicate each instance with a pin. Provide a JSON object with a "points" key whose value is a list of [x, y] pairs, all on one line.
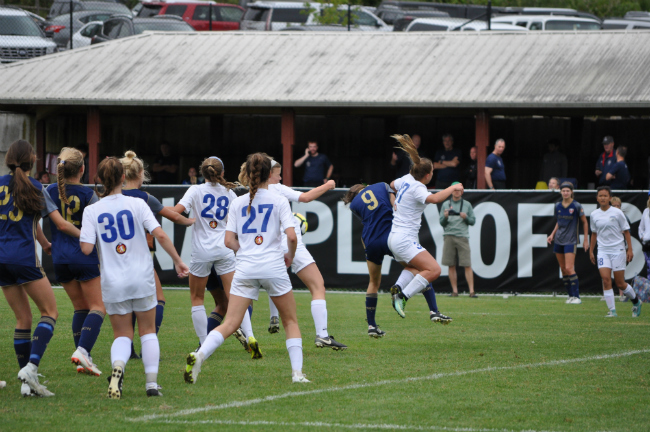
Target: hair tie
{"points": [[62, 162], [273, 163], [12, 167], [214, 157]]}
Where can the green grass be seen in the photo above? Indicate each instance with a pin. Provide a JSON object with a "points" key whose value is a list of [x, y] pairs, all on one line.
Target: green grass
{"points": [[597, 394]]}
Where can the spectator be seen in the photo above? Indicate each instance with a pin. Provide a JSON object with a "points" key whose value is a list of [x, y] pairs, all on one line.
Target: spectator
{"points": [[318, 168], [44, 177], [83, 148], [166, 166], [402, 162], [554, 163], [470, 171], [618, 175], [446, 162], [606, 160], [554, 184], [456, 215], [192, 178], [495, 174]]}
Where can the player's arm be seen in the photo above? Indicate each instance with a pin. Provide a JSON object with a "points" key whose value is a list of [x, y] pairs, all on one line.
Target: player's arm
{"points": [[311, 195], [181, 269], [592, 245], [292, 243], [628, 239], [42, 240], [391, 197], [550, 238], [232, 242], [176, 217], [441, 196], [585, 228], [63, 225], [488, 177]]}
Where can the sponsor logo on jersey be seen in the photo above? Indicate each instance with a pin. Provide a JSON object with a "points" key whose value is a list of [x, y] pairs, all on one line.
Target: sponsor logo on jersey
{"points": [[259, 240], [213, 224], [120, 248]]}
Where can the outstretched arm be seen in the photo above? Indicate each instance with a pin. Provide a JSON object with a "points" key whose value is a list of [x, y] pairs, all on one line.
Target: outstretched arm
{"points": [[311, 195], [176, 217], [439, 197]]}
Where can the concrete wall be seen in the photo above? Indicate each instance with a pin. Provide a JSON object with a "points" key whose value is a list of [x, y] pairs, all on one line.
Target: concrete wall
{"points": [[14, 127]]}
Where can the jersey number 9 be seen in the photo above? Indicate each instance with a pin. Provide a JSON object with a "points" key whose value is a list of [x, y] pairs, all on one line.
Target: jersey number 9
{"points": [[17, 214], [110, 234], [369, 198]]}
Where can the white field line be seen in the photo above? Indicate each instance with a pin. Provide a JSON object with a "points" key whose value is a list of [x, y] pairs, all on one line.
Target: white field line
{"points": [[237, 404]]}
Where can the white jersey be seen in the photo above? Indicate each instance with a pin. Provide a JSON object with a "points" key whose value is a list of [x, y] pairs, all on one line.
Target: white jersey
{"points": [[210, 205], [293, 196], [260, 255], [609, 226], [115, 224], [410, 202]]}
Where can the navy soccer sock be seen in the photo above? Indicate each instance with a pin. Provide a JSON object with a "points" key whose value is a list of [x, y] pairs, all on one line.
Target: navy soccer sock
{"points": [[77, 324], [160, 311], [574, 286], [250, 311], [22, 346], [430, 295], [214, 320], [371, 308], [42, 335], [567, 285], [90, 331]]}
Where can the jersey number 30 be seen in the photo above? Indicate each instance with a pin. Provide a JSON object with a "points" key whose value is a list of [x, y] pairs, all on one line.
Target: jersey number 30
{"points": [[110, 234]]}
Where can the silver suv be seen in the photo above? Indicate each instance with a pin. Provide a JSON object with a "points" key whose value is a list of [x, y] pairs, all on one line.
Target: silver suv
{"points": [[20, 37]]}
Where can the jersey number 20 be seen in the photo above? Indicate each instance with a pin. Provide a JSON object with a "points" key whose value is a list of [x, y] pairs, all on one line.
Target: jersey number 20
{"points": [[110, 234]]}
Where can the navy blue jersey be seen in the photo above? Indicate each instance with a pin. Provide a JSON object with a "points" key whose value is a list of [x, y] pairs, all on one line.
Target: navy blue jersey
{"points": [[153, 202], [372, 206], [18, 229], [568, 223], [66, 249]]}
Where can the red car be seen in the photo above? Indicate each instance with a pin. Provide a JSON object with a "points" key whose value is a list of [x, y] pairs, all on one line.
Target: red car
{"points": [[195, 13]]}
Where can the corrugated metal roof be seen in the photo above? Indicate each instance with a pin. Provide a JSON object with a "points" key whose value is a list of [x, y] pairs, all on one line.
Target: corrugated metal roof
{"points": [[358, 69]]}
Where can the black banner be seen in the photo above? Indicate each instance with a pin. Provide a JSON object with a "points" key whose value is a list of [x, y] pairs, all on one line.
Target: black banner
{"points": [[508, 242]]}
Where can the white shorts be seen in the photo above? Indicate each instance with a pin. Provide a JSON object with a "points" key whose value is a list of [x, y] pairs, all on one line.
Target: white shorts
{"points": [[404, 248], [303, 258], [250, 288], [615, 261], [221, 266], [132, 305]]}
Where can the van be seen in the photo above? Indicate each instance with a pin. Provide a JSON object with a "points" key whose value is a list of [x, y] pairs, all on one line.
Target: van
{"points": [[454, 24], [625, 24], [549, 22]]}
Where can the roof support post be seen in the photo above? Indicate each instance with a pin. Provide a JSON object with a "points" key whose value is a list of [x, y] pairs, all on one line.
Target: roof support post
{"points": [[288, 132], [482, 143], [40, 145], [93, 136]]}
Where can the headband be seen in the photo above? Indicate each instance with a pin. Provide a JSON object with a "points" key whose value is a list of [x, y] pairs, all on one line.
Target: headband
{"points": [[273, 163], [214, 157]]}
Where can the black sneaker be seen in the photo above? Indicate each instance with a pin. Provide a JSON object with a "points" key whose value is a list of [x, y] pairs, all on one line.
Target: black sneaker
{"points": [[375, 332], [440, 318], [153, 392], [329, 342], [134, 355], [274, 325]]}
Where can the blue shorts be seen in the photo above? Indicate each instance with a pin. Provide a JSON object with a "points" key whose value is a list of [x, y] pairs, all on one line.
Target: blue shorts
{"points": [[14, 274], [214, 281], [564, 249], [80, 272], [378, 248]]}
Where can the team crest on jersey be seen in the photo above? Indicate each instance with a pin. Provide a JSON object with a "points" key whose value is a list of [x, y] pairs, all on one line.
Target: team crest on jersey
{"points": [[570, 211], [213, 224], [259, 240], [120, 248]]}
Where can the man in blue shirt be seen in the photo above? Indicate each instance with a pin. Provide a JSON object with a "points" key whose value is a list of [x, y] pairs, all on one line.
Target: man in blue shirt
{"points": [[618, 175], [318, 168], [606, 160], [495, 174], [446, 163]]}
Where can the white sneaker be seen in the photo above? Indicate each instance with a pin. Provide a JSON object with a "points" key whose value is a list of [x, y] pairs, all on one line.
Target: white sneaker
{"points": [[569, 300], [25, 391], [575, 300], [299, 377], [3, 384], [81, 358], [29, 376]]}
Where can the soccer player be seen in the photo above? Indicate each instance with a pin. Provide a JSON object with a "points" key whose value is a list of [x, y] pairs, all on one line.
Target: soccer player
{"points": [[254, 233], [410, 202], [117, 224], [76, 272], [303, 265], [617, 203], [22, 203], [612, 232], [569, 214]]}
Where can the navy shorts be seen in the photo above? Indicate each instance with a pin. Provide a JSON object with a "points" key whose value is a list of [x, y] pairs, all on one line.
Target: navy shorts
{"points": [[214, 281], [14, 274], [80, 272], [564, 249], [378, 248]]}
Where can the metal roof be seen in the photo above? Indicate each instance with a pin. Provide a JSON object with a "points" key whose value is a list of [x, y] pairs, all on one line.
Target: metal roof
{"points": [[357, 69]]}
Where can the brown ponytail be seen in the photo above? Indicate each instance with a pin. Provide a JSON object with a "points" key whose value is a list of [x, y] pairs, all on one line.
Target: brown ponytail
{"points": [[212, 170], [421, 166], [352, 193], [20, 159], [134, 167], [109, 175], [258, 170], [70, 162]]}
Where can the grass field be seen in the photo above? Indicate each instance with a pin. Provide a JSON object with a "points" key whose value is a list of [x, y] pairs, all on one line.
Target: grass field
{"points": [[521, 364]]}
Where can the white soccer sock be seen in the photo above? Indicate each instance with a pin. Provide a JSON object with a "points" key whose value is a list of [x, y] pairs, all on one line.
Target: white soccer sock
{"points": [[629, 292], [609, 299], [200, 321], [415, 286], [121, 351], [150, 357], [319, 313], [272, 309], [294, 346], [246, 325], [404, 279], [211, 343]]}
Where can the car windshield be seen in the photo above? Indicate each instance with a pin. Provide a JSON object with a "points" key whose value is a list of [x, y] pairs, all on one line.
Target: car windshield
{"points": [[256, 14], [162, 25], [108, 7], [149, 11], [571, 25], [16, 25], [428, 27]]}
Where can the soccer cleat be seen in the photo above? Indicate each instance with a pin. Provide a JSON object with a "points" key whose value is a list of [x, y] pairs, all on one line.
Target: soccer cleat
{"points": [[256, 352], [569, 300], [636, 309], [153, 390], [611, 314], [86, 362], [329, 342], [375, 332], [575, 300], [193, 368], [80, 369], [399, 303], [299, 378], [440, 318], [115, 383], [239, 334], [134, 355], [29, 375], [3, 384], [274, 325], [25, 391]]}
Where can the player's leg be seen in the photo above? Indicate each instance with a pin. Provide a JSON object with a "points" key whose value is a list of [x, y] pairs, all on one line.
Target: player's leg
{"points": [[81, 309], [559, 254], [374, 273], [286, 304], [245, 329], [570, 273], [160, 307], [274, 320], [91, 327], [19, 302], [119, 315], [150, 346], [429, 270], [197, 281], [619, 280], [605, 270]]}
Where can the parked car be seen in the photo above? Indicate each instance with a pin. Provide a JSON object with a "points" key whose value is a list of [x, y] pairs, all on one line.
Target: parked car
{"points": [[458, 24], [405, 17], [196, 13], [546, 11], [85, 35], [124, 26], [41, 22], [388, 8], [625, 24], [321, 28], [637, 15], [20, 37], [59, 28], [60, 7], [549, 22]]}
